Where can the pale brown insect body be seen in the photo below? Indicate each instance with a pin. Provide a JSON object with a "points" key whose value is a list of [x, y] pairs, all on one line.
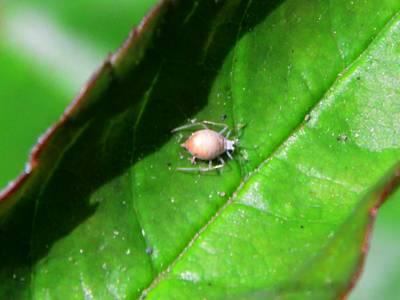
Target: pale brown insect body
{"points": [[207, 144]]}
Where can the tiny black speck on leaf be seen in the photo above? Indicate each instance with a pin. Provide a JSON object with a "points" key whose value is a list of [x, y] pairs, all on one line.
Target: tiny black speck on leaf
{"points": [[342, 138]]}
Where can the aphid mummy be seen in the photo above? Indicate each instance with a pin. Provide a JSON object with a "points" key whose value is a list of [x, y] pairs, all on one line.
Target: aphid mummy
{"points": [[207, 144]]}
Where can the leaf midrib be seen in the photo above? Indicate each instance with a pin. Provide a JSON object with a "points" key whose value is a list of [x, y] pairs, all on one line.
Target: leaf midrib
{"points": [[341, 76]]}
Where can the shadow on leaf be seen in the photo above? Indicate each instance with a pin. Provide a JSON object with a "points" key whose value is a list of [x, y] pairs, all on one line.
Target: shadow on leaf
{"points": [[131, 120]]}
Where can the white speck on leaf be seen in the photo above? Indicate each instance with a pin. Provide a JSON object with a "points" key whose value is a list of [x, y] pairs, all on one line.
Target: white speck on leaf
{"points": [[254, 198], [190, 276]]}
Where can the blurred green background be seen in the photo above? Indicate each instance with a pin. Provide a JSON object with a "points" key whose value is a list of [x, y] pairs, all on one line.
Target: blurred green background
{"points": [[48, 50]]}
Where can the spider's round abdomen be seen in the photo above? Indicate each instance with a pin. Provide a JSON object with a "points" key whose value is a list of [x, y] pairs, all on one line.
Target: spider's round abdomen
{"points": [[205, 144]]}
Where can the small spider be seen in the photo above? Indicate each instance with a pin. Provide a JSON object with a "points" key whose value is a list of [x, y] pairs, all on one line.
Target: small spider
{"points": [[208, 145]]}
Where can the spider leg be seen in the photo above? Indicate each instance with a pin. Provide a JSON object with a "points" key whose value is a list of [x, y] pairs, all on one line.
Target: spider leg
{"points": [[214, 123], [203, 124], [200, 169], [224, 126], [223, 130], [187, 126], [209, 168], [229, 155]]}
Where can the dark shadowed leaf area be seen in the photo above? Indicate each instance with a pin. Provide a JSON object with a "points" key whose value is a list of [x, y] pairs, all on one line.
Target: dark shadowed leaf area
{"points": [[310, 88]]}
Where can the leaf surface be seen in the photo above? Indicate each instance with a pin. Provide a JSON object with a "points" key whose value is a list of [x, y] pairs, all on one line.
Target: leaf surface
{"points": [[315, 85]]}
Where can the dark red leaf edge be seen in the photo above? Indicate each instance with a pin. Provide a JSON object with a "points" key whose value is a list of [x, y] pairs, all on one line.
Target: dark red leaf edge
{"points": [[117, 64], [113, 65]]}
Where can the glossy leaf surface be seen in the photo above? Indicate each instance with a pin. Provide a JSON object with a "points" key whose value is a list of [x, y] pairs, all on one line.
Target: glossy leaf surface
{"points": [[313, 96]]}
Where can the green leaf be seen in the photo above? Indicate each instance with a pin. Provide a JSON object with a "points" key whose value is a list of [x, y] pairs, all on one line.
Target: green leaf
{"points": [[315, 85]]}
